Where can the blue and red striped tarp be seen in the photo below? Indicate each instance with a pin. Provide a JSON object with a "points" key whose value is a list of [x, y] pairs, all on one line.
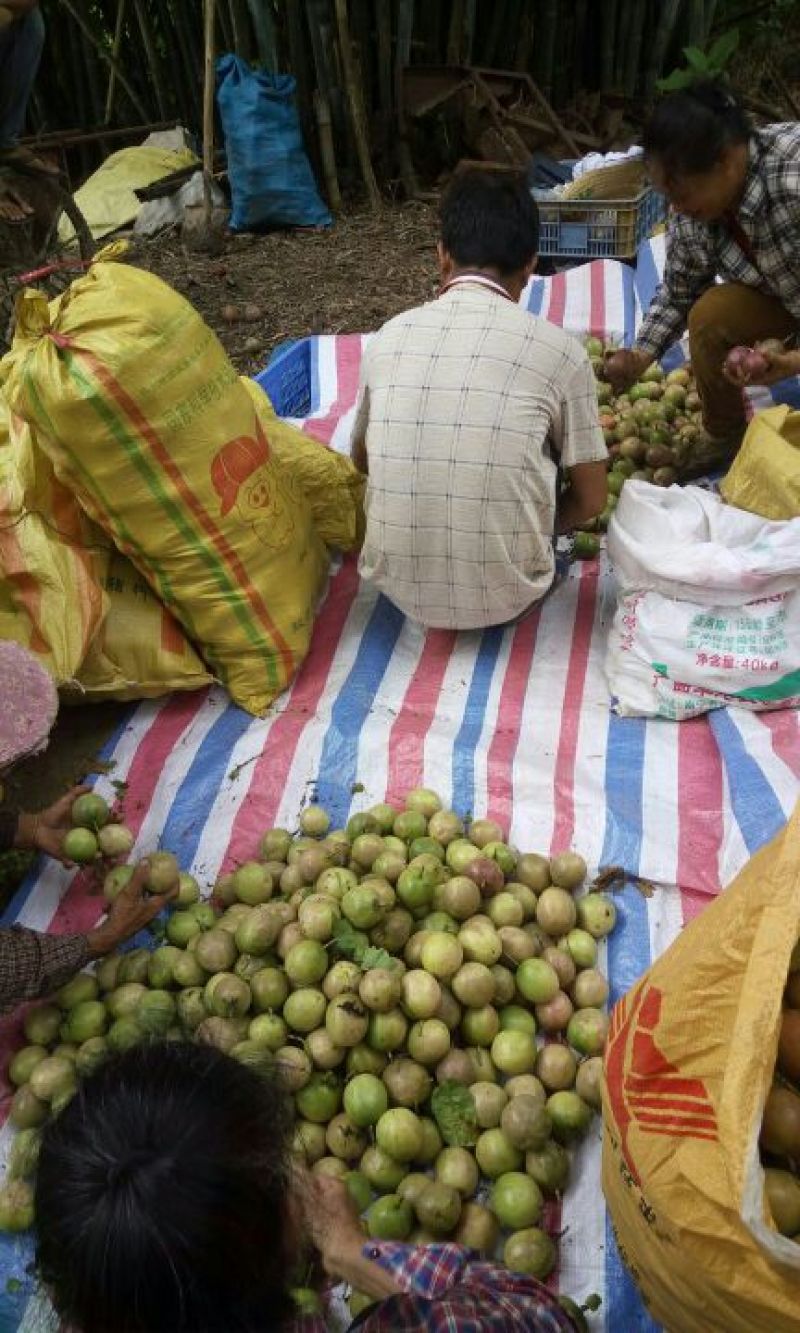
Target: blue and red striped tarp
{"points": [[512, 723]]}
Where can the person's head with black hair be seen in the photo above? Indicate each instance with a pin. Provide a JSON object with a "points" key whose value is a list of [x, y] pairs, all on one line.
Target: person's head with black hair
{"points": [[161, 1197], [489, 225], [696, 149]]}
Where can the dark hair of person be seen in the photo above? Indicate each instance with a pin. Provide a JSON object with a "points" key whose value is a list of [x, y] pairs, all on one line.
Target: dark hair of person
{"points": [[489, 220], [160, 1197], [689, 131]]}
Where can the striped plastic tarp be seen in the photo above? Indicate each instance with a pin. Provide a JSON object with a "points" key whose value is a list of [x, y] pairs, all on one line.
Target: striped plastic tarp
{"points": [[513, 723]]}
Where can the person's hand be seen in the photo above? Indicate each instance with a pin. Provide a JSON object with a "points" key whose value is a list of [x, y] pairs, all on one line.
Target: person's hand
{"points": [[623, 367], [331, 1221], [781, 365], [45, 831], [130, 911]]}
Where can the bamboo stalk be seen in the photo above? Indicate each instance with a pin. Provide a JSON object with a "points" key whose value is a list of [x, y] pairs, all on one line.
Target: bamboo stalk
{"points": [[498, 27], [455, 36], [383, 22], [708, 18], [405, 29], [240, 22], [265, 33], [327, 152], [104, 55], [579, 44], [299, 61], [356, 102], [209, 15], [696, 23], [191, 58], [548, 45], [608, 34], [622, 40], [667, 19], [112, 78], [525, 39], [633, 61], [149, 45]]}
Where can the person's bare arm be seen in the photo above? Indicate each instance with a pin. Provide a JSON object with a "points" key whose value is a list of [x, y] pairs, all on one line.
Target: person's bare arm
{"points": [[333, 1224], [586, 496], [358, 438]]}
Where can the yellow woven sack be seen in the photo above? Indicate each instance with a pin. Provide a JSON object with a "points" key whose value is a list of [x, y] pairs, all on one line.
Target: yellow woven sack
{"points": [[688, 1066], [141, 651], [332, 485], [765, 475], [145, 420], [53, 601]]}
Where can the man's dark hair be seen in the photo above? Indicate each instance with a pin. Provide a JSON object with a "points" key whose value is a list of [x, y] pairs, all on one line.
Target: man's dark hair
{"points": [[160, 1197], [689, 131], [489, 220]]}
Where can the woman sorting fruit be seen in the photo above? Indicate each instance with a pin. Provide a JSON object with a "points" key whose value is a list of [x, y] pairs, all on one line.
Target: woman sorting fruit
{"points": [[167, 1201], [735, 196], [33, 964]]}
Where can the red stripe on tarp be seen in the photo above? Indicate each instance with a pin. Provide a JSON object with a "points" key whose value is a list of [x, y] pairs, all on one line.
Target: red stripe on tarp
{"points": [[597, 300], [348, 364], [557, 304], [700, 820], [270, 774], [564, 775], [504, 743], [417, 712], [784, 726]]}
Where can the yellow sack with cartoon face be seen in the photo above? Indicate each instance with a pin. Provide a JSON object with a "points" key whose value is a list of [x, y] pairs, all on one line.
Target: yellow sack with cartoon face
{"points": [[146, 421], [51, 572], [688, 1065], [332, 484]]}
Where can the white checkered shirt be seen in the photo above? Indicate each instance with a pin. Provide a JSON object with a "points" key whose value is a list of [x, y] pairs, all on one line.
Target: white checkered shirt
{"points": [[697, 252], [467, 406]]}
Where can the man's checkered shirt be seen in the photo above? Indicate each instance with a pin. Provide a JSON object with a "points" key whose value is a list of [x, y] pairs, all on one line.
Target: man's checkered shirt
{"points": [[468, 406]]}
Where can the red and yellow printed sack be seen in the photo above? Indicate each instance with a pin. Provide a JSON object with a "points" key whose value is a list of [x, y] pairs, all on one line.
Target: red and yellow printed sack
{"points": [[688, 1066], [332, 485], [51, 573], [146, 422]]}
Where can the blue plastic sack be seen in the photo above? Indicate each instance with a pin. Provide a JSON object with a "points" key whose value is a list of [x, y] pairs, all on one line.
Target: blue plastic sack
{"points": [[272, 183]]}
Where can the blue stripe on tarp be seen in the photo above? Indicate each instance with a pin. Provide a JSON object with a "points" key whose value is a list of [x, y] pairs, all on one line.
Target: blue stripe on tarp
{"points": [[339, 758], [629, 306], [313, 375], [787, 391], [756, 808], [12, 910], [473, 721], [628, 957], [188, 815], [536, 298], [17, 1284]]}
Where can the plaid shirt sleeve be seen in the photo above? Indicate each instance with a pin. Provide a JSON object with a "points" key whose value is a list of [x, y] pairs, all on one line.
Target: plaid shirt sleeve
{"points": [[445, 1286], [32, 964], [690, 269]]}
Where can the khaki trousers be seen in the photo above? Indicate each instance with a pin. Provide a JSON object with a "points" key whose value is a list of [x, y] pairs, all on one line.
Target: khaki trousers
{"points": [[726, 316]]}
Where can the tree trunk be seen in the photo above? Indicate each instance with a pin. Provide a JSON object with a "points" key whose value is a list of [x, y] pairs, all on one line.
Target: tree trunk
{"points": [[356, 101], [455, 37], [405, 29], [696, 23]]}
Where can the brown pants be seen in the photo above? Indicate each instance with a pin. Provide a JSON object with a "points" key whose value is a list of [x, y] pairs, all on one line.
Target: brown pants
{"points": [[728, 316]]}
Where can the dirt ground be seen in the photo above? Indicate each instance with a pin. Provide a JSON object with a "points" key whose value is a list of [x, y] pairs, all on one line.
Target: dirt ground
{"points": [[348, 279]]}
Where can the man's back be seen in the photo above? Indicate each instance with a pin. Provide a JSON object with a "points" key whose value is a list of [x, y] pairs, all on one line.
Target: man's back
{"points": [[470, 405]]}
